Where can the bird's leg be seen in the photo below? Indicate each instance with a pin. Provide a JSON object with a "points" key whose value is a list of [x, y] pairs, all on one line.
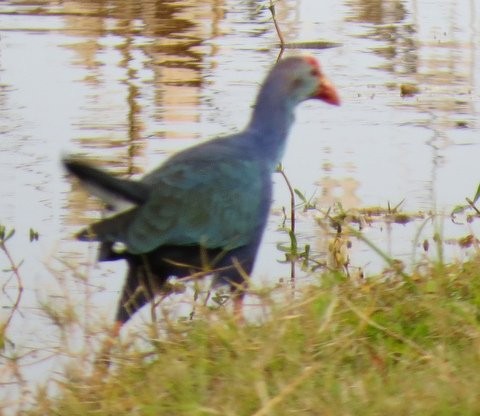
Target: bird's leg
{"points": [[238, 289], [115, 331], [137, 291], [238, 307]]}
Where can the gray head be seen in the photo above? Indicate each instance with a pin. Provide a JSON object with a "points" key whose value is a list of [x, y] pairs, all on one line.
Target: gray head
{"points": [[299, 78]]}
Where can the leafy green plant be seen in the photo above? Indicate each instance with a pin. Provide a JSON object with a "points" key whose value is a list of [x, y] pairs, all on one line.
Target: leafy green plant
{"points": [[470, 206], [293, 253]]}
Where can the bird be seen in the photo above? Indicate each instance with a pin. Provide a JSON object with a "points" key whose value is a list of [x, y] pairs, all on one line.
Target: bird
{"points": [[204, 210]]}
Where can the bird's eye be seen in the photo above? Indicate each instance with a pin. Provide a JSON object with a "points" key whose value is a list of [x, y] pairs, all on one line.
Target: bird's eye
{"points": [[315, 72]]}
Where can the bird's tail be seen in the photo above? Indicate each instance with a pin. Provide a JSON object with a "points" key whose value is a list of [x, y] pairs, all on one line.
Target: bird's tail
{"points": [[114, 191]]}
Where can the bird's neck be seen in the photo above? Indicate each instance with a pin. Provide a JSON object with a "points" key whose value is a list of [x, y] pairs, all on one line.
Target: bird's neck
{"points": [[270, 124]]}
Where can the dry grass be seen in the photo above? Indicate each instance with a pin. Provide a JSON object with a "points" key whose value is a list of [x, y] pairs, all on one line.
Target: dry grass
{"points": [[339, 348]]}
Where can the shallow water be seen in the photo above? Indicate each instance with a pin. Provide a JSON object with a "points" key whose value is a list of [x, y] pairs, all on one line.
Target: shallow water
{"points": [[128, 83]]}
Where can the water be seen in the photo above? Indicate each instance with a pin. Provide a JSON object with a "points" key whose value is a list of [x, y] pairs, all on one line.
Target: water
{"points": [[128, 83]]}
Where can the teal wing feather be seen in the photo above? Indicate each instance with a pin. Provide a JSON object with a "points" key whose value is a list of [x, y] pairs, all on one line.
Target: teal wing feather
{"points": [[214, 203]]}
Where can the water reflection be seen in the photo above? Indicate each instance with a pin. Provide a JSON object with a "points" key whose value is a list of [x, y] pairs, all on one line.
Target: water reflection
{"points": [[430, 46], [158, 47]]}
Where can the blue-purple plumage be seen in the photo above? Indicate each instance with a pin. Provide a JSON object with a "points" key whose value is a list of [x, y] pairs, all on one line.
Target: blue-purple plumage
{"points": [[206, 207]]}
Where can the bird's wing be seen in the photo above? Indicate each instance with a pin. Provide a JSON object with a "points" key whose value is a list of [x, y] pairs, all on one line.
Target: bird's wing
{"points": [[215, 204]]}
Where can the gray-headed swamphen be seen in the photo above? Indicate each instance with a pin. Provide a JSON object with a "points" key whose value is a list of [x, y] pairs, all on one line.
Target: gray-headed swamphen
{"points": [[204, 210]]}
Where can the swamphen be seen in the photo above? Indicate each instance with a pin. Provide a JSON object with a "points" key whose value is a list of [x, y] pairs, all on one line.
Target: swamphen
{"points": [[204, 210]]}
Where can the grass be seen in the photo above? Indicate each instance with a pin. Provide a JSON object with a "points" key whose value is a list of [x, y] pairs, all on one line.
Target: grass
{"points": [[341, 347]]}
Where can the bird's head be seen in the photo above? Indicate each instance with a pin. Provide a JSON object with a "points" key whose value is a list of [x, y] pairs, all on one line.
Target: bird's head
{"points": [[301, 78]]}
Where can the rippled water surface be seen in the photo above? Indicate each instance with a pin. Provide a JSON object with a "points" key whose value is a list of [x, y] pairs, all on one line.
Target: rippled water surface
{"points": [[128, 83]]}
